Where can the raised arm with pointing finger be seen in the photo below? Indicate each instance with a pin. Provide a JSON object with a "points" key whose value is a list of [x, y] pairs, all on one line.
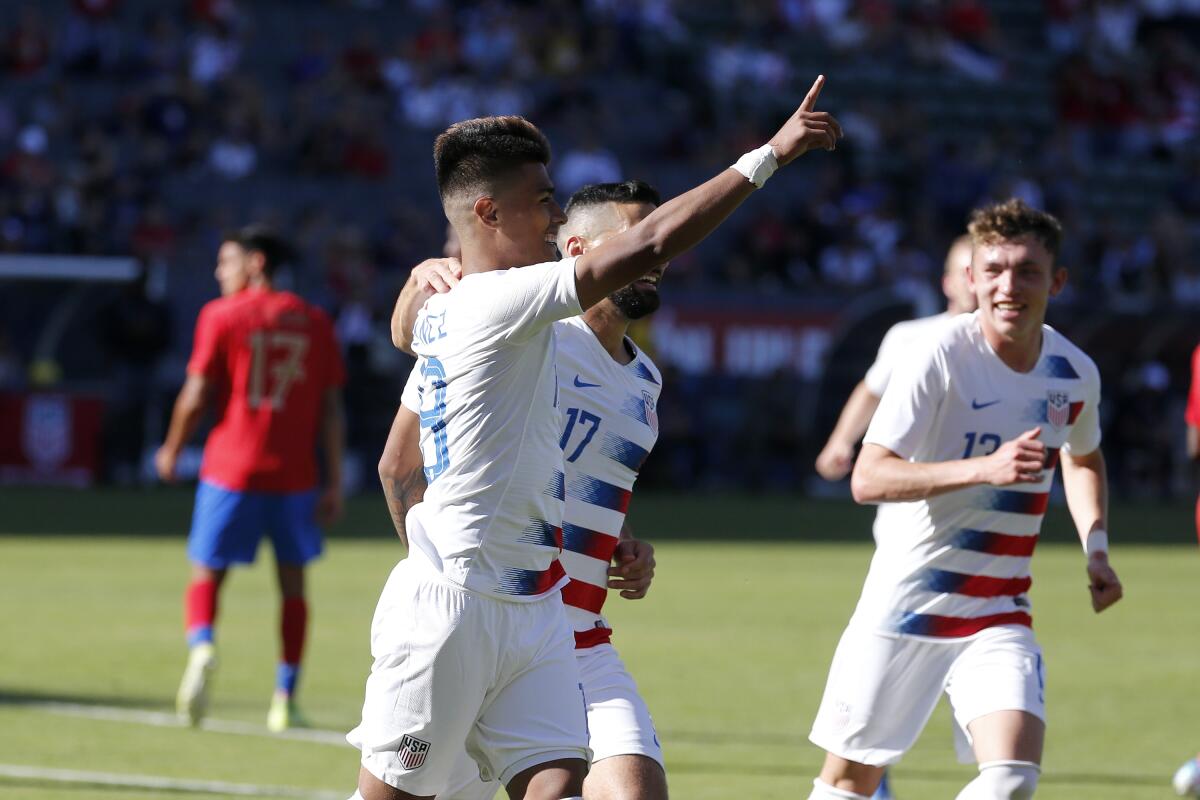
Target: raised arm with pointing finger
{"points": [[674, 227]]}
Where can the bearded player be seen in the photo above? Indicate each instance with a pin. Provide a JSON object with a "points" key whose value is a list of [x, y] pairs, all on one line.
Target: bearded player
{"points": [[965, 442], [470, 641], [609, 391]]}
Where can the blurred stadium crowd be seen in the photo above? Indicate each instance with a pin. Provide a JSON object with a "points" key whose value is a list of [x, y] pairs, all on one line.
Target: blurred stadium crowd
{"points": [[148, 128]]}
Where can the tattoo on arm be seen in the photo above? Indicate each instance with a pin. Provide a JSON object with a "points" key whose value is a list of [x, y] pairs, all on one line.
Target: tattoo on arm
{"points": [[402, 493]]}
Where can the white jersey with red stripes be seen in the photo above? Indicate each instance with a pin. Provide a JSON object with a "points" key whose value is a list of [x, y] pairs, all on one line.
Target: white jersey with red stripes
{"points": [[609, 425], [952, 565], [486, 391]]}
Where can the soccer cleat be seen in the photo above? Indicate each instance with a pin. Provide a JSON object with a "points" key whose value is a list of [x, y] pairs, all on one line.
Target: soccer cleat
{"points": [[192, 700], [1187, 779], [284, 714]]}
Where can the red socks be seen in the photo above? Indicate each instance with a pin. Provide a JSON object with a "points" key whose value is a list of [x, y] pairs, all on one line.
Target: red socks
{"points": [[200, 610], [293, 625]]}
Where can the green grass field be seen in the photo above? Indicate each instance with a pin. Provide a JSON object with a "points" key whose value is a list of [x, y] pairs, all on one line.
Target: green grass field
{"points": [[730, 649]]}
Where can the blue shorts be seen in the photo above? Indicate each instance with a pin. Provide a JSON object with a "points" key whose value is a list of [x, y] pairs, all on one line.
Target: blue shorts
{"points": [[227, 526]]}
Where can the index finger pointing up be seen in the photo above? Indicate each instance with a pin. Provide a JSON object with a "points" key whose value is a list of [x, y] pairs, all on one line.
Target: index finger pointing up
{"points": [[810, 99]]}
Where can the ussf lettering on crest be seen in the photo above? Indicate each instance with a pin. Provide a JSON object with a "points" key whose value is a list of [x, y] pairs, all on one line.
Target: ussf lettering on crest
{"points": [[412, 752]]}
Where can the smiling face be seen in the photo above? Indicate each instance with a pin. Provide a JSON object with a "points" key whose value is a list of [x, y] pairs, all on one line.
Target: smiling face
{"points": [[525, 217], [592, 225], [1013, 281]]}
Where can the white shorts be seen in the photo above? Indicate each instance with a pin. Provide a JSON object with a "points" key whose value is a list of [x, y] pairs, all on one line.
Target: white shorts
{"points": [[454, 667], [618, 719], [882, 688]]}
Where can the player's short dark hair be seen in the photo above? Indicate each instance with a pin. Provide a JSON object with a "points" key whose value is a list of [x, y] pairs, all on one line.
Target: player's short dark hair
{"points": [[475, 153], [631, 191], [258, 238], [1012, 219]]}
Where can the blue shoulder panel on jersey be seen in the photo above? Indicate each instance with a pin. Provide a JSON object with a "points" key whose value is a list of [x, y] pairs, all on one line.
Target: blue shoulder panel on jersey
{"points": [[643, 372], [1057, 367]]}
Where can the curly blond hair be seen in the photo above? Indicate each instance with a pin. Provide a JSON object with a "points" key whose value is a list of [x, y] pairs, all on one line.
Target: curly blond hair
{"points": [[1012, 219]]}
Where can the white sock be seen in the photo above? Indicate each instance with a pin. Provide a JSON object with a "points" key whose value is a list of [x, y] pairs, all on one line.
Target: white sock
{"points": [[356, 796], [823, 791], [1003, 780]]}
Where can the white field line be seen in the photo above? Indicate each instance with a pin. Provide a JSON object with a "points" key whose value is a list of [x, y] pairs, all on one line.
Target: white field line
{"points": [[163, 719], [127, 781]]}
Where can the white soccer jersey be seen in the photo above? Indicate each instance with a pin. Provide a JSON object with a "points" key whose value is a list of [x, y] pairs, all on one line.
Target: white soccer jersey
{"points": [[486, 391], [957, 563], [609, 426], [898, 345]]}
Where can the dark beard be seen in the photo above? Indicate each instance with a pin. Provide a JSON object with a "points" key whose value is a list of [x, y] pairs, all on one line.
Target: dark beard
{"points": [[634, 303]]}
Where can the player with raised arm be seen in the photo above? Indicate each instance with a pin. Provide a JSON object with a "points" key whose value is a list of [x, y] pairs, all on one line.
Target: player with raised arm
{"points": [[837, 456], [965, 442], [268, 365], [609, 393], [491, 662]]}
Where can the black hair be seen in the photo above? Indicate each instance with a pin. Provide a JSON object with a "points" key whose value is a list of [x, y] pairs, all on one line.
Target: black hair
{"points": [[258, 238], [631, 191], [475, 153]]}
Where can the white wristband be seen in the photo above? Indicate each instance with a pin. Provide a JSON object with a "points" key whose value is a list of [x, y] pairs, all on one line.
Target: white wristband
{"points": [[758, 165], [1097, 542]]}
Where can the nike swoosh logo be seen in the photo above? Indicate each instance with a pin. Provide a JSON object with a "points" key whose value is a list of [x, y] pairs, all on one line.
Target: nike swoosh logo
{"points": [[585, 385], [975, 404]]}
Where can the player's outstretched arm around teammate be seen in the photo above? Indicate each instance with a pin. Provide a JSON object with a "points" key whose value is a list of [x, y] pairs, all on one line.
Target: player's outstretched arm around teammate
{"points": [[1085, 480], [673, 228]]}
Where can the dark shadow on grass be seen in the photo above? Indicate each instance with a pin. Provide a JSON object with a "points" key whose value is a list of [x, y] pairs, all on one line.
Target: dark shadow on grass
{"points": [[16, 696]]}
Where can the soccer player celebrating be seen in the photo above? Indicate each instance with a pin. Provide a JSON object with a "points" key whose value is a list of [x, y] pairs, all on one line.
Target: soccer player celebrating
{"points": [[470, 640], [837, 456], [608, 394], [268, 364], [965, 442]]}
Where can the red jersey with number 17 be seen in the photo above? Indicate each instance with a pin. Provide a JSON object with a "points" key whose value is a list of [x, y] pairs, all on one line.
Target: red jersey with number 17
{"points": [[270, 357]]}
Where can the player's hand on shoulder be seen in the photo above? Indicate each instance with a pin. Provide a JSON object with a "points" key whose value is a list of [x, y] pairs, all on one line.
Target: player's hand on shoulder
{"points": [[835, 461], [164, 464], [807, 129], [632, 569], [1019, 460], [329, 505], [437, 275], [1103, 582]]}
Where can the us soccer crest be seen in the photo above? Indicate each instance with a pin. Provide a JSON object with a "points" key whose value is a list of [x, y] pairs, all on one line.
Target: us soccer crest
{"points": [[651, 414], [412, 752], [1058, 408]]}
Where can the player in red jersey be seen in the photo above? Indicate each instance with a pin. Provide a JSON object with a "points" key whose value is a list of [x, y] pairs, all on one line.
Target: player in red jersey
{"points": [[268, 364], [1192, 417]]}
